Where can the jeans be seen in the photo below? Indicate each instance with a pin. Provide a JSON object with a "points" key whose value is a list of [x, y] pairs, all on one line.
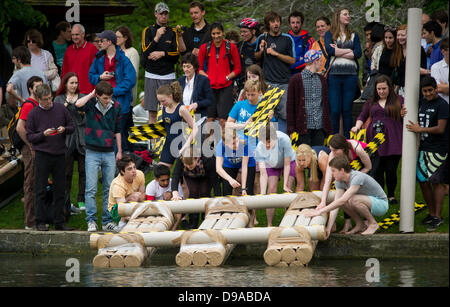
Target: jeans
{"points": [[96, 160], [341, 92]]}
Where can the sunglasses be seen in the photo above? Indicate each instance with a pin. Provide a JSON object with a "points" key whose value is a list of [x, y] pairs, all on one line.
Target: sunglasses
{"points": [[389, 28], [31, 41]]}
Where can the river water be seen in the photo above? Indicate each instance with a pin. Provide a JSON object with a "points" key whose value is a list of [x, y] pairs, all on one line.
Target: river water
{"points": [[161, 271]]}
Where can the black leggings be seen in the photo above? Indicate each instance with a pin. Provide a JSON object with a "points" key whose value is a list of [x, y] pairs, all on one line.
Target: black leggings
{"points": [[198, 188], [233, 172], [388, 165]]}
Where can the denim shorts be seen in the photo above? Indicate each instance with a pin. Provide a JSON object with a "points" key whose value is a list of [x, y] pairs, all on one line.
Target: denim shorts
{"points": [[379, 206]]}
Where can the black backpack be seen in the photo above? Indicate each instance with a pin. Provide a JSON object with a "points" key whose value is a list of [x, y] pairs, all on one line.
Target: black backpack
{"points": [[227, 54], [14, 137]]}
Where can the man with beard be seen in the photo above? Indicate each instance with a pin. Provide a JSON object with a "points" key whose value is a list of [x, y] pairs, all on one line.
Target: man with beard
{"points": [[303, 42], [277, 53]]}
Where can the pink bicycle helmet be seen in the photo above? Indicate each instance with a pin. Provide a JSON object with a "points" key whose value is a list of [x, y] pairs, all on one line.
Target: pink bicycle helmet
{"points": [[248, 23]]}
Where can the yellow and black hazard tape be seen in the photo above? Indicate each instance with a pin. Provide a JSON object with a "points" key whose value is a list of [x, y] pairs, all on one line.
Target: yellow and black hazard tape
{"points": [[395, 217]]}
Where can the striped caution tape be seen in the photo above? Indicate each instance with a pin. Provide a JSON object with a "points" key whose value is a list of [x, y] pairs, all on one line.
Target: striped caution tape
{"points": [[295, 140], [146, 132], [395, 217], [267, 104]]}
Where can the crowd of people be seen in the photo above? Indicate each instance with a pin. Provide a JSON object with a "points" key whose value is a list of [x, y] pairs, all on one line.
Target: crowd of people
{"points": [[76, 104]]}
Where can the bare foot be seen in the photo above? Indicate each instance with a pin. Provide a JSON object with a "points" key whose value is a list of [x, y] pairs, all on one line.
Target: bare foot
{"points": [[371, 229], [356, 229], [347, 226]]}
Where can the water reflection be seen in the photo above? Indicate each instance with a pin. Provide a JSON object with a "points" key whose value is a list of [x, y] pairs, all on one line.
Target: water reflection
{"points": [[25, 270]]}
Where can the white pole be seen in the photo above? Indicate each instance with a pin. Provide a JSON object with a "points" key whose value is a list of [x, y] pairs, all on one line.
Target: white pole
{"points": [[409, 150]]}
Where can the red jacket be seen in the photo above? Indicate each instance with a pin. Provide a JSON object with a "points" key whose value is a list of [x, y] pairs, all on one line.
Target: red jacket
{"points": [[79, 60], [218, 70], [296, 109]]}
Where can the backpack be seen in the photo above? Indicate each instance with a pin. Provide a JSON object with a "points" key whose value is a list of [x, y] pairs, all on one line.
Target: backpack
{"points": [[227, 54], [14, 137]]}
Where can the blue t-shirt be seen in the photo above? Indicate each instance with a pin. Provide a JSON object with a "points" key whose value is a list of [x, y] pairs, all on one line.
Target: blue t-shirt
{"points": [[233, 158], [241, 112]]}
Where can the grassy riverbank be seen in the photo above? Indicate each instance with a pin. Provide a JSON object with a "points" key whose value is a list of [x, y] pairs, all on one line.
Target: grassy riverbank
{"points": [[12, 216]]}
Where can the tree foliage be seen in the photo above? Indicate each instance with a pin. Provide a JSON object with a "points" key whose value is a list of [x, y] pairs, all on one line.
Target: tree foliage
{"points": [[14, 10]]}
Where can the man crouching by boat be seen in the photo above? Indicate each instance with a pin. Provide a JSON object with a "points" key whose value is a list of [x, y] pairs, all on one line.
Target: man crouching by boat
{"points": [[47, 126], [358, 194], [128, 186]]}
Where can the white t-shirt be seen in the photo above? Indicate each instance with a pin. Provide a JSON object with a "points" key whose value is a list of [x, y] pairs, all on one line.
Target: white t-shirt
{"points": [[154, 189], [439, 71]]}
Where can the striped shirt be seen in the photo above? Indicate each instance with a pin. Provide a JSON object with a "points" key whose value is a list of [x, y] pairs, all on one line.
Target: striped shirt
{"points": [[313, 99]]}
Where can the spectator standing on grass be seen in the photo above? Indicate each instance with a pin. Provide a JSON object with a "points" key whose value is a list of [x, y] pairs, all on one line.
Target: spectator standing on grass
{"points": [[113, 66], [79, 57], [344, 48], [41, 59], [302, 40], [17, 84], [432, 33], [386, 113], [399, 80], [322, 26], [47, 128], [439, 71], [161, 47], [67, 95], [199, 32], [219, 61], [125, 42], [276, 51], [432, 162], [307, 103], [391, 55], [249, 30], [102, 128], [28, 153], [60, 44]]}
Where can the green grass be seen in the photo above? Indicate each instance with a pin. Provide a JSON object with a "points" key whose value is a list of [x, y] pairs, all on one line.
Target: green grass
{"points": [[12, 216]]}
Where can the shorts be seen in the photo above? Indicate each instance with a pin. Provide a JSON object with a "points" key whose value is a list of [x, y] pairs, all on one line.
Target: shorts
{"points": [[277, 171], [379, 206], [166, 156], [222, 104], [428, 164], [150, 87]]}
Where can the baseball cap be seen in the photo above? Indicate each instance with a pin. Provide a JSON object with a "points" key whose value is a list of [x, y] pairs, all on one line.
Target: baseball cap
{"points": [[161, 7], [311, 56], [109, 35]]}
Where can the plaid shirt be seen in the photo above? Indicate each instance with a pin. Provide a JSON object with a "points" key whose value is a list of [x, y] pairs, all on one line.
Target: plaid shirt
{"points": [[313, 99]]}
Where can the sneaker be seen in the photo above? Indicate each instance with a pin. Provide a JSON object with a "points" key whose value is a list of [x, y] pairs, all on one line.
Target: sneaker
{"points": [[427, 220], [74, 210], [92, 226], [30, 228], [42, 227], [110, 227], [81, 206], [435, 223]]}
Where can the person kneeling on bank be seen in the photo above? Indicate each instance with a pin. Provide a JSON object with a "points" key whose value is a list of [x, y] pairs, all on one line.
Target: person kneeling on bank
{"points": [[358, 194], [128, 186]]}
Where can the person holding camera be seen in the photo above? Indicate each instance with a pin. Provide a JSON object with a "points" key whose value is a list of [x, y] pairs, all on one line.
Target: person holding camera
{"points": [[385, 110]]}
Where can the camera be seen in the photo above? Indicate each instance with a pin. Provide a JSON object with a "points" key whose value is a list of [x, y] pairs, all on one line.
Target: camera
{"points": [[378, 127]]}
